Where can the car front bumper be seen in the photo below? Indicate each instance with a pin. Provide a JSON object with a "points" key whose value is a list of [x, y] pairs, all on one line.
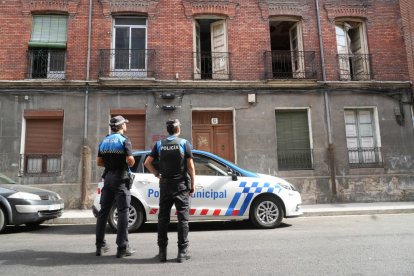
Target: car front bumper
{"points": [[32, 211]]}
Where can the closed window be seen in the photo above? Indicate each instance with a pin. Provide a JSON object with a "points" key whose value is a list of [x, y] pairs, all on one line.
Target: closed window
{"points": [[43, 141], [361, 138], [129, 57], [47, 47], [293, 142]]}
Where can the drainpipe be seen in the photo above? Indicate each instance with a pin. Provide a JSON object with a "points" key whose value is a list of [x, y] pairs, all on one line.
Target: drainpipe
{"points": [[331, 155], [86, 157]]}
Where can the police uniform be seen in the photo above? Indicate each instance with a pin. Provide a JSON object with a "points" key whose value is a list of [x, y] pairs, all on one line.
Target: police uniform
{"points": [[174, 187], [114, 149]]}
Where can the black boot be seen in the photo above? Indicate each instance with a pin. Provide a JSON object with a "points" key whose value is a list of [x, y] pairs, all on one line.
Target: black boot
{"points": [[124, 252], [183, 255], [102, 248], [162, 255]]}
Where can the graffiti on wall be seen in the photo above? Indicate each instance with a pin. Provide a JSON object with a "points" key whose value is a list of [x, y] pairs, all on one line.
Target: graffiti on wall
{"points": [[402, 161]]}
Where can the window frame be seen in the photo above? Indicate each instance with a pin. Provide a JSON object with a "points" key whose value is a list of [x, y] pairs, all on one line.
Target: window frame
{"points": [[353, 57], [376, 137], [220, 61], [129, 72], [44, 159], [309, 123]]}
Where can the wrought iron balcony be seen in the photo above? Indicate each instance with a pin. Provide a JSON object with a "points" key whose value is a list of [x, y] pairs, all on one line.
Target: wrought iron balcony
{"points": [[290, 65], [127, 63], [365, 157], [46, 63], [211, 65], [354, 67], [297, 159]]}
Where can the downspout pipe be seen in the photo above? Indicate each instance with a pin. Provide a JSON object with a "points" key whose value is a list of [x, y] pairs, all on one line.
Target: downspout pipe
{"points": [[331, 155], [85, 148]]}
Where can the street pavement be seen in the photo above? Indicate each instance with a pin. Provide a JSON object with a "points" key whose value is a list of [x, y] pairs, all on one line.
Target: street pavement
{"points": [[76, 216]]}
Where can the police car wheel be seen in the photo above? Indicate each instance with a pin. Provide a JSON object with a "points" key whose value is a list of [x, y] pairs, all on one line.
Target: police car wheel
{"points": [[135, 217], [2, 219], [266, 212]]}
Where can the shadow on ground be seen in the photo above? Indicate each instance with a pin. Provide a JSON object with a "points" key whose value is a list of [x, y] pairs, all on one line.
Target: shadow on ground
{"points": [[87, 229]]}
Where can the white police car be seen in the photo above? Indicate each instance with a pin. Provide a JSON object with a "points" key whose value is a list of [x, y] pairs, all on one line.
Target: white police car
{"points": [[223, 191]]}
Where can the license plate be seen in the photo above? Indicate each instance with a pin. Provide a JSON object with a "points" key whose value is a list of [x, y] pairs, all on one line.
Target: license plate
{"points": [[54, 207]]}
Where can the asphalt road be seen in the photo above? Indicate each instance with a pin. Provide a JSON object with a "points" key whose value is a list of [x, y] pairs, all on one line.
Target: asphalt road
{"points": [[341, 245]]}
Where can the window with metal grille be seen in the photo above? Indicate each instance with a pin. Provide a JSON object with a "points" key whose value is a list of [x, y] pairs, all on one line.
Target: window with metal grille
{"points": [[361, 138], [43, 142], [293, 143], [47, 47]]}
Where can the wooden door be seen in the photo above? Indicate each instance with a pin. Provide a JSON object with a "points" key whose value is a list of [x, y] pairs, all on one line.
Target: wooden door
{"points": [[214, 137]]}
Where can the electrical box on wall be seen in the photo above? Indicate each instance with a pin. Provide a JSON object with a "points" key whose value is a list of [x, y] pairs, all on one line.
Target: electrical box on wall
{"points": [[251, 98]]}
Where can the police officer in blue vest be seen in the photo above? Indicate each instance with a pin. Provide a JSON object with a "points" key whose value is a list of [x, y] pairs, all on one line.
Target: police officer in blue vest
{"points": [[176, 173], [115, 154]]}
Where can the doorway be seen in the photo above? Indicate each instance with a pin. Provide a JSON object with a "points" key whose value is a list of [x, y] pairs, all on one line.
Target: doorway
{"points": [[213, 131]]}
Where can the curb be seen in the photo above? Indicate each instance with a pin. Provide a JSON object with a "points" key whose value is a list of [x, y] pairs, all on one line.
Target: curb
{"points": [[71, 216]]}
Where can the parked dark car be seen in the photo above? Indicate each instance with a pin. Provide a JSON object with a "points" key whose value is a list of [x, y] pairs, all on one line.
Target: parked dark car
{"points": [[22, 204]]}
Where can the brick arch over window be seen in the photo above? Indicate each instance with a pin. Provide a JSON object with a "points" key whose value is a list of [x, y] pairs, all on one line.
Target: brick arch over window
{"points": [[225, 8], [110, 7], [66, 6], [337, 12], [295, 8]]}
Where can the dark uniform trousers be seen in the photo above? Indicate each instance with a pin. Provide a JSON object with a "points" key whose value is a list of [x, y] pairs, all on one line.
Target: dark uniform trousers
{"points": [[177, 194], [114, 188]]}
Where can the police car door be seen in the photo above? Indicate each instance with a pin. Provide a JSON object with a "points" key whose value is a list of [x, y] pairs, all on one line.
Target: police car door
{"points": [[216, 194], [147, 190]]}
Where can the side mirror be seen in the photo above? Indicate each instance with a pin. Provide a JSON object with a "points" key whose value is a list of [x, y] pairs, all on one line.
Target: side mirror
{"points": [[233, 175]]}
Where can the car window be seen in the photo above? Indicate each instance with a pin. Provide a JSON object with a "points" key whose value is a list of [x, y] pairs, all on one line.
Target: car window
{"points": [[136, 164], [206, 166], [155, 163]]}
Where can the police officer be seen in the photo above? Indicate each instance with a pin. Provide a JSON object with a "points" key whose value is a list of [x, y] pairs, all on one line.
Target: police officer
{"points": [[175, 167], [115, 154]]}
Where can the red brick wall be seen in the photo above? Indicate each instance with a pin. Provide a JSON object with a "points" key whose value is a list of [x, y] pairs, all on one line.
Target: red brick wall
{"points": [[170, 33], [407, 12]]}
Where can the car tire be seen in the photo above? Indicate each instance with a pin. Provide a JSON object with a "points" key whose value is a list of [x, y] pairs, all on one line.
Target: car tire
{"points": [[135, 217], [3, 222], [266, 212]]}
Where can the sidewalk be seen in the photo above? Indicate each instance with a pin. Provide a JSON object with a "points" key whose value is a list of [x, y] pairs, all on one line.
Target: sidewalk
{"points": [[75, 216]]}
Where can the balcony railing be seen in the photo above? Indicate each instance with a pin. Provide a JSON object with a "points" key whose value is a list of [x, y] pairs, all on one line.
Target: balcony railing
{"points": [[355, 67], [365, 157], [211, 65], [297, 159], [46, 64], [127, 63], [290, 65]]}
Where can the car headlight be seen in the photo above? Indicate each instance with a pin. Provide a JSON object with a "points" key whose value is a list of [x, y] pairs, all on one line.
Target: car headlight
{"points": [[285, 186], [23, 195]]}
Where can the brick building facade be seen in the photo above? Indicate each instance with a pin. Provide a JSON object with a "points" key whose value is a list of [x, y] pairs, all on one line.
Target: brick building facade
{"points": [[318, 91]]}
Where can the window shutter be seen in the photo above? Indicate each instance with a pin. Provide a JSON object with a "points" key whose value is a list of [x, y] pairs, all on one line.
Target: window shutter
{"points": [[135, 126], [49, 31], [292, 130], [44, 131], [44, 136], [293, 144]]}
